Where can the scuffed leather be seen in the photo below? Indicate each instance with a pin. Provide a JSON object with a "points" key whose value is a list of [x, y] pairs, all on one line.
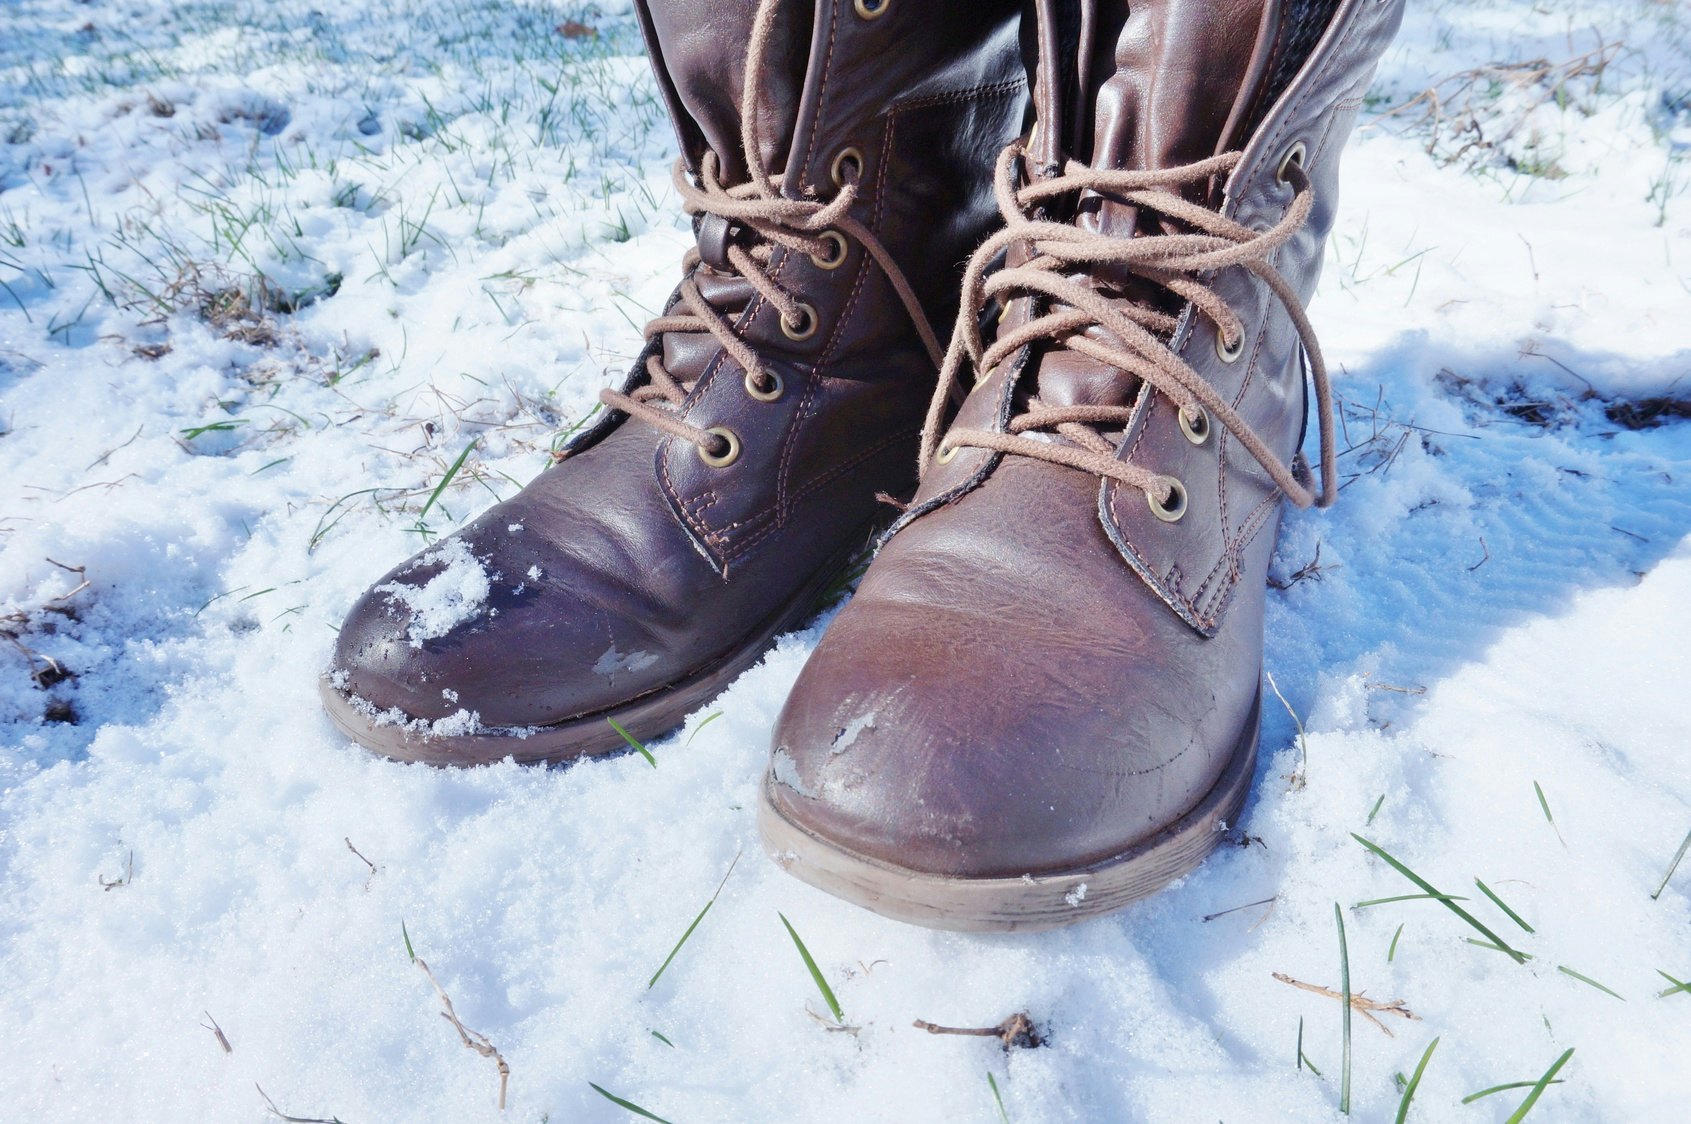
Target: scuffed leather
{"points": [[1036, 674], [653, 565]]}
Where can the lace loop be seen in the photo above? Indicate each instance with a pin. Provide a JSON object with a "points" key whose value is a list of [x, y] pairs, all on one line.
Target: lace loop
{"points": [[756, 211], [1134, 337]]}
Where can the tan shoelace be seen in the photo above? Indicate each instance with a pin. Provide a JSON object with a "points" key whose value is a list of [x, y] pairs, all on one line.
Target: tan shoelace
{"points": [[1138, 341], [759, 207]]}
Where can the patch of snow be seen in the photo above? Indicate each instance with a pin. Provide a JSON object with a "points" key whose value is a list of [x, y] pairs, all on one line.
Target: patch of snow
{"points": [[454, 595], [1500, 599]]}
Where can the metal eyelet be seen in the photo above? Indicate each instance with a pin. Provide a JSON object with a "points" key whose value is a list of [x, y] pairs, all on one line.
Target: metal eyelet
{"points": [[728, 456], [1225, 352], [805, 328], [836, 259], [1171, 511], [1293, 155], [847, 157], [946, 454], [774, 392], [1196, 427], [871, 9]]}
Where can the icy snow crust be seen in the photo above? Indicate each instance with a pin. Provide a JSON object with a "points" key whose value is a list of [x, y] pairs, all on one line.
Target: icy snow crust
{"points": [[464, 209]]}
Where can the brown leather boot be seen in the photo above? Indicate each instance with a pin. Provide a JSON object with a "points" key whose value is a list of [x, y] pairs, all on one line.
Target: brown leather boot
{"points": [[837, 162], [1042, 702]]}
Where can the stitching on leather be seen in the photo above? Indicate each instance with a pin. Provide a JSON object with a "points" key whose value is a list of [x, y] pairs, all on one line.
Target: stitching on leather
{"points": [[1318, 79], [991, 89], [747, 543], [784, 498], [827, 68]]}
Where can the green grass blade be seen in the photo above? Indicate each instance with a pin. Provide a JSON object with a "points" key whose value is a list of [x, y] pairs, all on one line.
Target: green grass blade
{"points": [[1548, 818], [1414, 1081], [1300, 1042], [1501, 904], [1539, 1086], [666, 960], [664, 1039], [409, 951], [1678, 985], [1003, 1117], [1409, 898], [1519, 957], [1472, 1097], [712, 717], [815, 972], [447, 479], [1582, 978], [1673, 866], [629, 1105], [1375, 810], [1391, 952], [633, 741], [1344, 983]]}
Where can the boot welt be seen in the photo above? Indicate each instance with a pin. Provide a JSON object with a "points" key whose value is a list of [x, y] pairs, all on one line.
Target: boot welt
{"points": [[1031, 901], [646, 718]]}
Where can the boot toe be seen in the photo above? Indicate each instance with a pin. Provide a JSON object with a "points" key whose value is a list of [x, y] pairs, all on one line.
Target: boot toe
{"points": [[483, 632], [920, 738]]}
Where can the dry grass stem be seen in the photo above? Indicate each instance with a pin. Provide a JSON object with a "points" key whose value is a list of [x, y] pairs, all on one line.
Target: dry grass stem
{"points": [[222, 1039], [473, 1039], [280, 1115], [1359, 1002]]}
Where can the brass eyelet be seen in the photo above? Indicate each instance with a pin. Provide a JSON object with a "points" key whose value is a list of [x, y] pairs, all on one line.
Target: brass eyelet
{"points": [[774, 392], [837, 258], [946, 454], [1196, 427], [728, 456], [1225, 352], [1175, 507], [847, 157], [1294, 155], [805, 328], [871, 9]]}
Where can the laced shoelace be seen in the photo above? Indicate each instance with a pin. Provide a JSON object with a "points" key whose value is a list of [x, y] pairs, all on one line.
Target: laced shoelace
{"points": [[1137, 336], [758, 208]]}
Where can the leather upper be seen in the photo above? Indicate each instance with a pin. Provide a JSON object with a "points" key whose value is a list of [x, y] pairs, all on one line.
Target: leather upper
{"points": [[652, 564], [1037, 672]]}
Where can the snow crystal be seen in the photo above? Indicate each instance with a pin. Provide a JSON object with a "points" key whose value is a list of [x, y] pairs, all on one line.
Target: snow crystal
{"points": [[452, 596]]}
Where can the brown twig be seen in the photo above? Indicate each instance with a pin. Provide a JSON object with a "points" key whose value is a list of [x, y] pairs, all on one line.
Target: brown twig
{"points": [[1017, 1030], [1359, 1002], [348, 841]]}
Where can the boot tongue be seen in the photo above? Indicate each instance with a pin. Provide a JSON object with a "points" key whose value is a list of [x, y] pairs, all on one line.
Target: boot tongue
{"points": [[1184, 79], [704, 45]]}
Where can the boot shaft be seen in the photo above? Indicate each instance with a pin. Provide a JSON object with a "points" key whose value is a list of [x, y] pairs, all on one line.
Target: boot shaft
{"points": [[1151, 86]]}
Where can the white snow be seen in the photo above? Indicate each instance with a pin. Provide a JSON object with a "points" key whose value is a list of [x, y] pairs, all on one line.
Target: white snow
{"points": [[456, 594], [464, 208]]}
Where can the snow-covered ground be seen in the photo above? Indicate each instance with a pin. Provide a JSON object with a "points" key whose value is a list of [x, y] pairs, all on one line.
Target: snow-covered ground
{"points": [[460, 212]]}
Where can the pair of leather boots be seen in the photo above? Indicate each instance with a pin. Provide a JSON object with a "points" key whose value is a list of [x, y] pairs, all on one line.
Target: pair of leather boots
{"points": [[1042, 702]]}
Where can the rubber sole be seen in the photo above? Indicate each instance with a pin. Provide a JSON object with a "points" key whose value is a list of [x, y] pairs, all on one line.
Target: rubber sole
{"points": [[1028, 902], [647, 718]]}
